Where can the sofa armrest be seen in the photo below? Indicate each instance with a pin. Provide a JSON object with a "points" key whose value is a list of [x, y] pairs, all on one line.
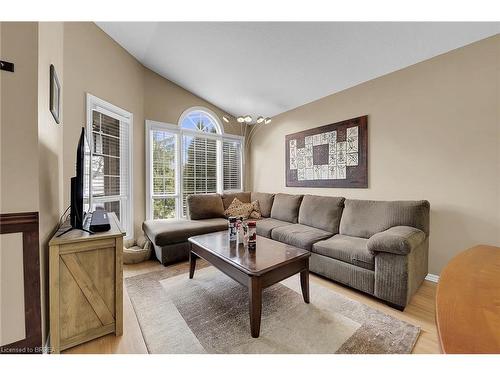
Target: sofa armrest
{"points": [[399, 240]]}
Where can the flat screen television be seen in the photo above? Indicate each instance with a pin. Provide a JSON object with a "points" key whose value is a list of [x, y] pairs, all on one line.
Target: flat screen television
{"points": [[80, 184]]}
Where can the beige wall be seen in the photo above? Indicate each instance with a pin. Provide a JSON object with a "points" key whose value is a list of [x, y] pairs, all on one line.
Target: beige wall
{"points": [[18, 162], [94, 63], [50, 148], [18, 133], [434, 134], [31, 178], [165, 101]]}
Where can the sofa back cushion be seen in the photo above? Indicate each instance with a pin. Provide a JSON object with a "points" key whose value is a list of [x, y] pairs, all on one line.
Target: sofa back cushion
{"points": [[205, 206], [321, 212], [286, 207], [364, 218], [228, 198], [265, 202]]}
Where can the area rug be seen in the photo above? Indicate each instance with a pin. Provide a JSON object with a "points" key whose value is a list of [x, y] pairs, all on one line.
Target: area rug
{"points": [[209, 314]]}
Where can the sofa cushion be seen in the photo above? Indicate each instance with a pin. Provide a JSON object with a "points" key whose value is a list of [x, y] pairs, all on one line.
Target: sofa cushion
{"points": [[228, 198], [352, 250], [299, 235], [321, 212], [286, 207], [265, 202], [166, 232], [205, 206], [363, 218], [266, 226]]}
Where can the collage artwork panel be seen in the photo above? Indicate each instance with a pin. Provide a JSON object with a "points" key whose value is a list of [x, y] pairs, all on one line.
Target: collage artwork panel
{"points": [[340, 154]]}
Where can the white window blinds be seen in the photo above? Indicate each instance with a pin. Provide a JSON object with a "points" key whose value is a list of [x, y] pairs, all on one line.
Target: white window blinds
{"points": [[231, 156], [110, 187], [199, 166]]}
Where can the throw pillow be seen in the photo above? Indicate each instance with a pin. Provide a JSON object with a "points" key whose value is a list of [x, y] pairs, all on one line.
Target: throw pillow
{"points": [[256, 214], [238, 208]]}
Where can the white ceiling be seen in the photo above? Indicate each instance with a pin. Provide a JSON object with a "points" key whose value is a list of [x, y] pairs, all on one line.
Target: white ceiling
{"points": [[266, 68]]}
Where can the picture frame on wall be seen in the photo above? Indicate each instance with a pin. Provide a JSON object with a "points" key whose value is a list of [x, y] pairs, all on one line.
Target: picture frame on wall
{"points": [[55, 95], [329, 156]]}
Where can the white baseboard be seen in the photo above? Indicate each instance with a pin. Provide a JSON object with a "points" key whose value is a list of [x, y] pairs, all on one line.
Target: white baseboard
{"points": [[431, 277]]}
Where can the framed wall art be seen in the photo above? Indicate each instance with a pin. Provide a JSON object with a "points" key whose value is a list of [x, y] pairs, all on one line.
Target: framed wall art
{"points": [[334, 156], [55, 95]]}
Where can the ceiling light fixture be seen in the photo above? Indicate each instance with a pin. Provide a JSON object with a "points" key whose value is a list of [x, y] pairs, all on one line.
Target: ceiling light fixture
{"points": [[260, 119], [240, 119], [267, 120], [248, 119], [225, 118]]}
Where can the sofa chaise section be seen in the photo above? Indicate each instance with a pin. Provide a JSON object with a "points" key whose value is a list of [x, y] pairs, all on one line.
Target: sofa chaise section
{"points": [[169, 237], [205, 215]]}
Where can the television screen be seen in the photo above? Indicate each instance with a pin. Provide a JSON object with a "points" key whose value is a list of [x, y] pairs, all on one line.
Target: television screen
{"points": [[80, 184]]}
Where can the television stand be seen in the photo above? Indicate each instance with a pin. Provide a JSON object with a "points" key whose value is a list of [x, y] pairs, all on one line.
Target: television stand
{"points": [[85, 285]]}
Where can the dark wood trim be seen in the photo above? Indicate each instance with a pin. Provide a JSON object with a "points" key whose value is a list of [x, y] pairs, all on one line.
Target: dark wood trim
{"points": [[27, 224]]}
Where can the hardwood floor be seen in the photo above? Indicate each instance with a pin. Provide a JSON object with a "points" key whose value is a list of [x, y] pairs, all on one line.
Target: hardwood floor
{"points": [[420, 312]]}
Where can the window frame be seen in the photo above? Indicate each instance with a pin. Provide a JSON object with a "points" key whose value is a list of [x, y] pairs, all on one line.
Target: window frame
{"points": [[241, 140], [93, 103], [169, 128], [180, 133]]}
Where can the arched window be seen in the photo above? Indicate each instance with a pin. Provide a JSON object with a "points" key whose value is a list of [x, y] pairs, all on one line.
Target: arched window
{"points": [[200, 119], [192, 157]]}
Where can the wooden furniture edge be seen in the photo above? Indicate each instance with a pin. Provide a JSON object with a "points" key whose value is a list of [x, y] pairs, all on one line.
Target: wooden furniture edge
{"points": [[442, 345], [306, 254]]}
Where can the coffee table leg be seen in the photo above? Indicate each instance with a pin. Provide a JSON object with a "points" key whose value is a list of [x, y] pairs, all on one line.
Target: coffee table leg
{"points": [[304, 284], [255, 304], [192, 263]]}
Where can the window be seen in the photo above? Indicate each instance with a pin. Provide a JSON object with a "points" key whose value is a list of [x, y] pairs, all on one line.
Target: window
{"points": [[164, 163], [192, 158], [199, 167], [200, 120], [109, 132], [232, 164]]}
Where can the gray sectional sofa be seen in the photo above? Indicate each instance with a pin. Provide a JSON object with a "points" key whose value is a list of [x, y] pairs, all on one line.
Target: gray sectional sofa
{"points": [[378, 247]]}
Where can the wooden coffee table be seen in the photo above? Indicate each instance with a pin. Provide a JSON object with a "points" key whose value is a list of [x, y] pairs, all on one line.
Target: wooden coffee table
{"points": [[270, 263]]}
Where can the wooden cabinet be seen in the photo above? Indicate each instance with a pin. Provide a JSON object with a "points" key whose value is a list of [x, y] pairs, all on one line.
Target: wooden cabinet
{"points": [[86, 286]]}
